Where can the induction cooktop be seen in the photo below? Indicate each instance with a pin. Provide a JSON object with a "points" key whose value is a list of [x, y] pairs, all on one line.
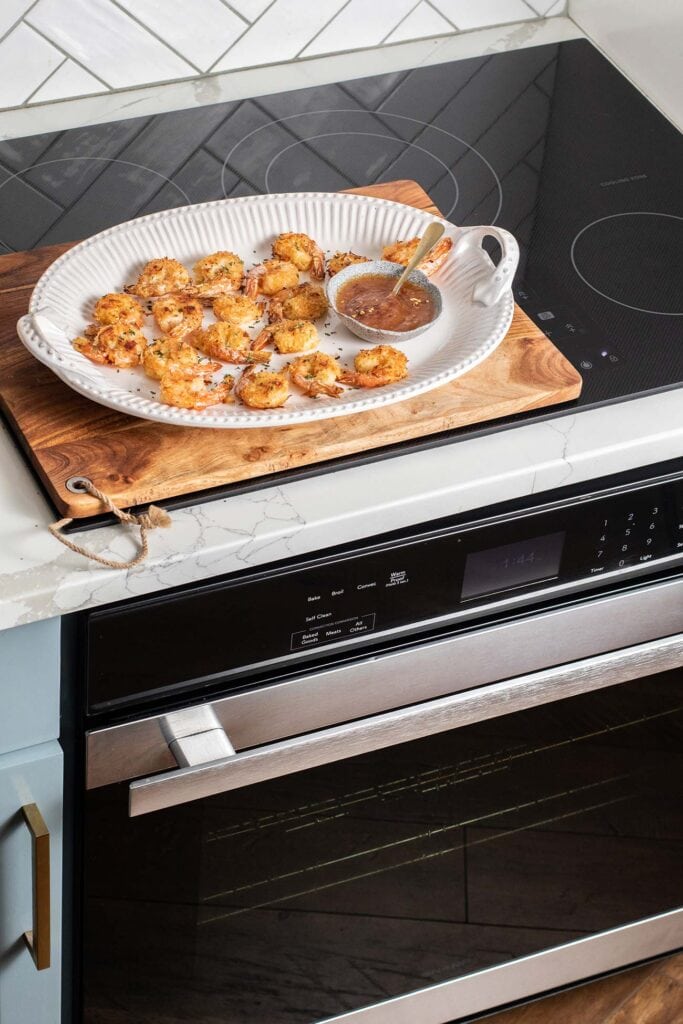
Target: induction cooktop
{"points": [[550, 142]]}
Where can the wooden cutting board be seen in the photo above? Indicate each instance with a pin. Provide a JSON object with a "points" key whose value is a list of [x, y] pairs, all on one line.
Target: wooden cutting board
{"points": [[135, 461]]}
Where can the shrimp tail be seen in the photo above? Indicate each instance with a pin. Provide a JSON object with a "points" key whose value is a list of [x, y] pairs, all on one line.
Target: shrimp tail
{"points": [[251, 281], [437, 258], [254, 356], [261, 340], [363, 380]]}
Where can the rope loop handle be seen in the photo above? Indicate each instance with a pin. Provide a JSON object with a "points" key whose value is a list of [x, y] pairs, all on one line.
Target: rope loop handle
{"points": [[145, 521]]}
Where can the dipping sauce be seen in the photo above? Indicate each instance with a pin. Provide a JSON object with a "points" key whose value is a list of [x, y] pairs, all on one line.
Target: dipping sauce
{"points": [[369, 300]]}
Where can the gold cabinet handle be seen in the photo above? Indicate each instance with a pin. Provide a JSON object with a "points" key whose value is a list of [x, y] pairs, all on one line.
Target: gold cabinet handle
{"points": [[38, 939]]}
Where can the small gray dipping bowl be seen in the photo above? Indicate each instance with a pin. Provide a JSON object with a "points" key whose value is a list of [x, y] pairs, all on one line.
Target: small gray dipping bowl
{"points": [[386, 269]]}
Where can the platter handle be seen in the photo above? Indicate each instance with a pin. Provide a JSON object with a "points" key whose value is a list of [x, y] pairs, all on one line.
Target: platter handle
{"points": [[497, 279]]}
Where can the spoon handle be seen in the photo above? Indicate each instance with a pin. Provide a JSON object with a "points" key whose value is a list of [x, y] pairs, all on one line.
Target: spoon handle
{"points": [[427, 242]]}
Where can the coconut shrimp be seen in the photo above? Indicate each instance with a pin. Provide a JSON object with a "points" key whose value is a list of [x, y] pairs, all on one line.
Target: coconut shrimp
{"points": [[316, 375], [160, 277], [262, 390], [117, 308], [289, 336], [217, 274], [177, 315], [188, 390], [375, 367], [171, 355], [304, 302], [302, 251], [341, 260], [239, 310], [402, 252], [230, 343], [120, 345], [269, 277]]}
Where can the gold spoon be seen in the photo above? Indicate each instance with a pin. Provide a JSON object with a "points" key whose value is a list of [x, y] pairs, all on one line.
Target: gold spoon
{"points": [[427, 242]]}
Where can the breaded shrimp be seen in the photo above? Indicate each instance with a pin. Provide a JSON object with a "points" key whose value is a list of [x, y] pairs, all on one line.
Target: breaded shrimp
{"points": [[264, 390], [187, 390], [269, 277], [118, 345], [237, 309], [170, 355], [177, 315], [375, 367], [118, 308], [217, 274], [230, 343], [304, 302], [341, 260], [289, 336], [160, 277], [302, 251], [402, 252], [316, 374]]}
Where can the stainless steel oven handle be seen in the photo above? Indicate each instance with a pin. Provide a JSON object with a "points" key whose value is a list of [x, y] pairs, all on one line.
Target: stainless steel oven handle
{"points": [[191, 735]]}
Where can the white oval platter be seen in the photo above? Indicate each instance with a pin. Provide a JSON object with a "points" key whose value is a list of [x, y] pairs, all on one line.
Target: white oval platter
{"points": [[60, 307]]}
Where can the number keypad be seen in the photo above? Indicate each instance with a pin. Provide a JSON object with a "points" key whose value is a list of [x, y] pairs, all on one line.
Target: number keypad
{"points": [[627, 534]]}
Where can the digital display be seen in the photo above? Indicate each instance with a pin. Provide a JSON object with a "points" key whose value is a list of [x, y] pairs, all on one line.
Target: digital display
{"points": [[512, 565]]}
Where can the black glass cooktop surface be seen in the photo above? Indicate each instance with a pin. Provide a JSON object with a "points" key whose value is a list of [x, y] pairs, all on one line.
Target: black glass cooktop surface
{"points": [[551, 142]]}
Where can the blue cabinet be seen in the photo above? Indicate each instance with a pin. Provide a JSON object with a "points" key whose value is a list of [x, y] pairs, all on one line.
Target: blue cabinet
{"points": [[30, 884], [29, 685]]}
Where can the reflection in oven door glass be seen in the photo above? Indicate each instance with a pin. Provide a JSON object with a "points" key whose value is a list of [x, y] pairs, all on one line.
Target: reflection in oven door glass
{"points": [[330, 890]]}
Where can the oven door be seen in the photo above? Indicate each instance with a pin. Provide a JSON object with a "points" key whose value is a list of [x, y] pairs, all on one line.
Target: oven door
{"points": [[424, 863]]}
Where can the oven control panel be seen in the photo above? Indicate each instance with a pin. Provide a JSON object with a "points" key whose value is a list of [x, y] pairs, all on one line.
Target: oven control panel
{"points": [[211, 631]]}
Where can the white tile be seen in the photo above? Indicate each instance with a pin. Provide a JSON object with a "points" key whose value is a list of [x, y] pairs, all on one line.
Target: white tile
{"points": [[69, 80], [548, 8], [467, 14], [281, 33], [360, 24], [250, 9], [10, 12], [108, 42], [201, 31], [26, 60], [243, 84], [424, 21]]}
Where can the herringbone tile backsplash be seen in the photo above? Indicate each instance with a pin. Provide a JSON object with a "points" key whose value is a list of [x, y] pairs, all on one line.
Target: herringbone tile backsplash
{"points": [[56, 49]]}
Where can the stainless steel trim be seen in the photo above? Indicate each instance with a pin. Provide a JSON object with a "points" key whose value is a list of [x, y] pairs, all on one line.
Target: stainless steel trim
{"points": [[379, 731], [195, 736], [527, 976], [419, 673]]}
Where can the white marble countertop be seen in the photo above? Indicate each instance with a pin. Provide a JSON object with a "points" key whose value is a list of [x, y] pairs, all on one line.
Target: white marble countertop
{"points": [[39, 578]]}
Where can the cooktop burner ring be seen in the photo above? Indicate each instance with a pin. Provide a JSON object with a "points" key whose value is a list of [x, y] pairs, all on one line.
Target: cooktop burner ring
{"points": [[660, 279], [377, 114], [373, 135], [97, 159]]}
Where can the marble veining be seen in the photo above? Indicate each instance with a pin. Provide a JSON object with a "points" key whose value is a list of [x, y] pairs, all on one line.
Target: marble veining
{"points": [[40, 579]]}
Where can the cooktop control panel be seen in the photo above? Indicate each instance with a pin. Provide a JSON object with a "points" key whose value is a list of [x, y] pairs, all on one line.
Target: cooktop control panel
{"points": [[421, 580]]}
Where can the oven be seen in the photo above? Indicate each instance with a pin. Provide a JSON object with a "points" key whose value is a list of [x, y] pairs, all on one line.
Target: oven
{"points": [[410, 779]]}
